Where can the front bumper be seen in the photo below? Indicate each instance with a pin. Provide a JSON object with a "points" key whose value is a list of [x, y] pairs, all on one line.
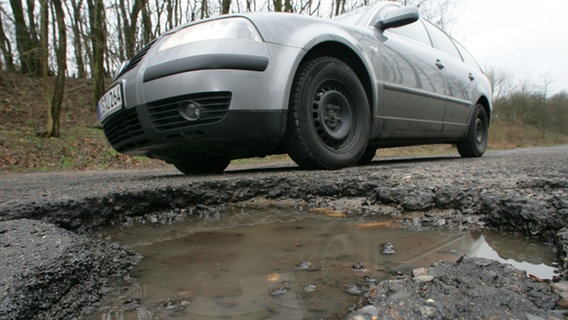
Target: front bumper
{"points": [[238, 134], [243, 103]]}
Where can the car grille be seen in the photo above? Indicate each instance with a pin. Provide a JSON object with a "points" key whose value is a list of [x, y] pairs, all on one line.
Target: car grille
{"points": [[165, 114], [123, 130], [132, 63]]}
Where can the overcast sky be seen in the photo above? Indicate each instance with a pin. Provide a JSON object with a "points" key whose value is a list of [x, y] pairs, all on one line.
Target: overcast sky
{"points": [[529, 39]]}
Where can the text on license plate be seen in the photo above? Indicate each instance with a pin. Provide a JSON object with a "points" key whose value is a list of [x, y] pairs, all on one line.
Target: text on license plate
{"points": [[111, 101]]}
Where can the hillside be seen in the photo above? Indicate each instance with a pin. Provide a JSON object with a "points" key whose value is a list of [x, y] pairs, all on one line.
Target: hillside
{"points": [[82, 144]]}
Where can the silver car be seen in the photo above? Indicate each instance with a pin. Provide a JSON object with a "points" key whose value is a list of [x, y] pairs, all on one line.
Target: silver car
{"points": [[326, 92]]}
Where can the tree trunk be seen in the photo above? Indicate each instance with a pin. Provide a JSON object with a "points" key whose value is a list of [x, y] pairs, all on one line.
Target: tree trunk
{"points": [[27, 46], [98, 40], [169, 15], [31, 19], [43, 49], [6, 48], [77, 39], [131, 26], [147, 24], [277, 5], [339, 7], [204, 9], [225, 6], [59, 88], [288, 6]]}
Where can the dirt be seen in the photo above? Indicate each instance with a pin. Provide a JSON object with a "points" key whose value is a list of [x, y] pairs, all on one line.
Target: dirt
{"points": [[521, 191]]}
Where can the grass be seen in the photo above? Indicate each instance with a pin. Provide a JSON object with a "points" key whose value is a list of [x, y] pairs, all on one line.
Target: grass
{"points": [[83, 146], [516, 135]]}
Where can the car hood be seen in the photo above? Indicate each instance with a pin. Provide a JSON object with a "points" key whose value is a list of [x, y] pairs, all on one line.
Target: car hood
{"points": [[288, 29]]}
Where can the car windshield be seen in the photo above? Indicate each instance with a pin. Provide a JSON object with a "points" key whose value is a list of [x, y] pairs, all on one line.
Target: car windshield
{"points": [[354, 16]]}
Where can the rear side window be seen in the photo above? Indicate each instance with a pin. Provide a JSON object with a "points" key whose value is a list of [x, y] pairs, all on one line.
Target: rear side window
{"points": [[442, 41], [467, 57]]}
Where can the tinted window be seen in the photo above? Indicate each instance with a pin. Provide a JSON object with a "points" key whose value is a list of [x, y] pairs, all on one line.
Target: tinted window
{"points": [[442, 41]]}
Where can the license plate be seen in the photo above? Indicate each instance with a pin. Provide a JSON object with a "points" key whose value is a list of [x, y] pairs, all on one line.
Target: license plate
{"points": [[111, 101]]}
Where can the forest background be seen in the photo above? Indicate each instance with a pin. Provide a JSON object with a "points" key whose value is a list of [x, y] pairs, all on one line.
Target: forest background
{"points": [[58, 56]]}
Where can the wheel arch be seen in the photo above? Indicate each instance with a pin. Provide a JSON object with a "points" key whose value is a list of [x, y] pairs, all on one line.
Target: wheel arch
{"points": [[486, 106], [346, 54]]}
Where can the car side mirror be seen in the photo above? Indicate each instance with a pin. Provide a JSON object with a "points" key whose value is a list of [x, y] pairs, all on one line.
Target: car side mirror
{"points": [[398, 17]]}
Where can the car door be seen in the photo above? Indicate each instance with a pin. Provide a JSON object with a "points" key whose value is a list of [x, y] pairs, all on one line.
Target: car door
{"points": [[459, 83], [412, 89]]}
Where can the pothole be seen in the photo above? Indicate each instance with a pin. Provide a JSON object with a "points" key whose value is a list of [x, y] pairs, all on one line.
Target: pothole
{"points": [[288, 262]]}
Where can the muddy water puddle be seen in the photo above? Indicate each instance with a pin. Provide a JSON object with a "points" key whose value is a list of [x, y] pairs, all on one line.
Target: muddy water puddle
{"points": [[277, 264]]}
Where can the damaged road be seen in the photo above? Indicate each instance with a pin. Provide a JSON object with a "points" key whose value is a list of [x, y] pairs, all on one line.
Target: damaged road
{"points": [[51, 265]]}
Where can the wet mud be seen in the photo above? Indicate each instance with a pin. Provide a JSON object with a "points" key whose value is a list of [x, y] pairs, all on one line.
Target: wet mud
{"points": [[524, 192]]}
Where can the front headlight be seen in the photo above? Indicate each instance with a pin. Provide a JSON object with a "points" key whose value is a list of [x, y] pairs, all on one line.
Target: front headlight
{"points": [[227, 28]]}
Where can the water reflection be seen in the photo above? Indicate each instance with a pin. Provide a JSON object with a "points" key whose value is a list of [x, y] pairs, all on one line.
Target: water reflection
{"points": [[524, 254], [250, 271]]}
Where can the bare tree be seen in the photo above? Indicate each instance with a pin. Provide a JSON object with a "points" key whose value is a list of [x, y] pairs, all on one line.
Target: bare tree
{"points": [[288, 6], [441, 12], [547, 80], [501, 82], [277, 5], [130, 24], [75, 13], [43, 52], [27, 40], [6, 48], [339, 6], [98, 44], [148, 33], [204, 9], [225, 6], [54, 113]]}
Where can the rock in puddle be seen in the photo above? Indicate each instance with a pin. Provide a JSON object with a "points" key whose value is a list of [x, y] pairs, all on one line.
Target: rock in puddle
{"points": [[387, 248], [304, 265], [464, 289]]}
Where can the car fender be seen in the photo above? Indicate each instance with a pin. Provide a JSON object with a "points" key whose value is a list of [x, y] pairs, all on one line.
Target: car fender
{"points": [[347, 40], [307, 33]]}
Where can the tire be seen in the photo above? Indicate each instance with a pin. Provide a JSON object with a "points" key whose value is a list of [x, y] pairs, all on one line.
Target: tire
{"points": [[367, 156], [202, 165], [475, 143], [329, 117]]}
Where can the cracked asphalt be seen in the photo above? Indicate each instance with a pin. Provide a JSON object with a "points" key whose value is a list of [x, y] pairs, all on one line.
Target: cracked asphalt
{"points": [[523, 191]]}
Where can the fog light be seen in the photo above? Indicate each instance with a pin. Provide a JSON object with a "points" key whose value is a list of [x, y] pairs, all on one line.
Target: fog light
{"points": [[190, 110]]}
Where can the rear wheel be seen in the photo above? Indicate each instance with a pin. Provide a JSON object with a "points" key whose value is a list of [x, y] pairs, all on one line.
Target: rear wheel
{"points": [[328, 117], [475, 143], [202, 165]]}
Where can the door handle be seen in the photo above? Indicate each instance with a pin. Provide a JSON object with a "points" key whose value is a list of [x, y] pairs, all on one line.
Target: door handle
{"points": [[439, 64], [471, 77]]}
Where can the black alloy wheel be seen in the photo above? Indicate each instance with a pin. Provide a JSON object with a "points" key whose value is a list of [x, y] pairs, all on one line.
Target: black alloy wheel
{"points": [[328, 117]]}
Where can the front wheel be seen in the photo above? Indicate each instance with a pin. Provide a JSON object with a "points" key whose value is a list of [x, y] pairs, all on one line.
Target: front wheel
{"points": [[329, 117], [475, 143], [202, 165], [367, 156]]}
